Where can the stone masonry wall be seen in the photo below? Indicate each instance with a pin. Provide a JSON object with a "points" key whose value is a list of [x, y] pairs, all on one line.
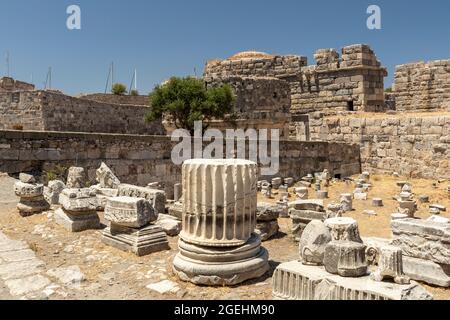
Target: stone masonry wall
{"points": [[52, 111], [354, 81], [144, 159], [8, 84], [412, 145], [422, 86], [117, 99]]}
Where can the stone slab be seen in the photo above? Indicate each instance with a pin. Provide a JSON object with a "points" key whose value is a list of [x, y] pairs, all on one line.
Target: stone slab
{"points": [[155, 196], [295, 281], [129, 212], [141, 241], [427, 271], [78, 223]]}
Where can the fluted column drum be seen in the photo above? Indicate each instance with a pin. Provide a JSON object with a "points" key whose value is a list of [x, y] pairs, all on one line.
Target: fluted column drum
{"points": [[219, 207]]}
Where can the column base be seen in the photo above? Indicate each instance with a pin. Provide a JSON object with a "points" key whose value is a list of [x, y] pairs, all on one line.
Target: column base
{"points": [[221, 265], [141, 242]]}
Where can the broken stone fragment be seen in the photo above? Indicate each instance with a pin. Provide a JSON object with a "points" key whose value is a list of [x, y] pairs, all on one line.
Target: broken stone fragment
{"points": [[27, 178], [52, 192], [311, 204], [266, 229], [76, 178], [28, 190], [377, 202], [313, 241], [156, 197], [78, 200], [345, 258], [343, 229], [169, 224], [106, 178], [129, 212]]}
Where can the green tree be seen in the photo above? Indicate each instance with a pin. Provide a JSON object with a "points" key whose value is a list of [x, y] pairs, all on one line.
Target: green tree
{"points": [[134, 93], [119, 89], [186, 100]]}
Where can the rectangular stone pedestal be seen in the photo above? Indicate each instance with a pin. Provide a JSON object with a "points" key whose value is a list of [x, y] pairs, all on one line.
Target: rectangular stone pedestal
{"points": [[142, 241], [79, 222], [427, 271], [295, 281]]}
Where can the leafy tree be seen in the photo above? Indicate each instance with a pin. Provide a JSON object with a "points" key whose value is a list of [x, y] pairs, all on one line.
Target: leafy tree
{"points": [[134, 93], [119, 89], [186, 100]]}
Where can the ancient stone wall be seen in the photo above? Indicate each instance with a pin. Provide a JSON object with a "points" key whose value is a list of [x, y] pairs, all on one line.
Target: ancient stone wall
{"points": [[143, 159], [354, 81], [117, 99], [8, 84], [261, 103], [52, 111], [409, 144], [422, 86]]}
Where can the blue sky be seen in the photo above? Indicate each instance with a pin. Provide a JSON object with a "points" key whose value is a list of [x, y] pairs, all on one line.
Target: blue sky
{"points": [[174, 37]]}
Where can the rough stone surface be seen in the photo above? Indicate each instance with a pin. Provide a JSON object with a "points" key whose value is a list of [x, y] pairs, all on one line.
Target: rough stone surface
{"points": [[170, 224], [290, 279], [427, 271], [155, 196], [106, 178], [267, 212], [266, 229], [313, 241], [390, 266], [142, 241], [76, 178], [343, 229], [346, 258], [422, 239], [52, 192], [129, 212]]}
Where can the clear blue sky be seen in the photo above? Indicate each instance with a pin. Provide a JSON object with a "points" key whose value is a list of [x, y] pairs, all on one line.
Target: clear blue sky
{"points": [[172, 37]]}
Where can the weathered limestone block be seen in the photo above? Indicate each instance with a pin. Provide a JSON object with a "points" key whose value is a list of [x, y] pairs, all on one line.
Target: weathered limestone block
{"points": [[322, 194], [176, 210], [439, 219], [301, 218], [343, 229], [217, 244], [140, 241], [156, 197], [267, 212], [288, 181], [103, 194], [28, 190], [334, 210], [427, 271], [106, 178], [76, 178], [129, 212], [266, 229], [399, 216], [377, 202], [52, 192], [31, 196], [422, 239], [177, 191], [390, 265], [27, 178], [347, 202], [360, 196], [295, 281], [78, 200], [170, 224], [276, 183], [218, 266], [301, 193], [346, 258], [219, 201], [313, 241], [78, 210], [408, 207]]}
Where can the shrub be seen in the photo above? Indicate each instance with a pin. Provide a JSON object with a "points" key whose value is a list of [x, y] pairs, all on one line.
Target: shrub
{"points": [[119, 89]]}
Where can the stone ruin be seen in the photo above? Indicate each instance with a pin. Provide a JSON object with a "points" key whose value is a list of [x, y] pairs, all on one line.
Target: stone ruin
{"points": [[217, 244], [333, 266], [31, 195]]}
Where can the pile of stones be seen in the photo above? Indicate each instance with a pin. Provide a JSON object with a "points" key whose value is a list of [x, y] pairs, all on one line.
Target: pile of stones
{"points": [[31, 196], [217, 244], [131, 226], [267, 220], [333, 266]]}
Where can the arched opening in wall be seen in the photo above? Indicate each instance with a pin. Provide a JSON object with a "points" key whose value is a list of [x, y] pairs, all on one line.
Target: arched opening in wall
{"points": [[350, 105]]}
